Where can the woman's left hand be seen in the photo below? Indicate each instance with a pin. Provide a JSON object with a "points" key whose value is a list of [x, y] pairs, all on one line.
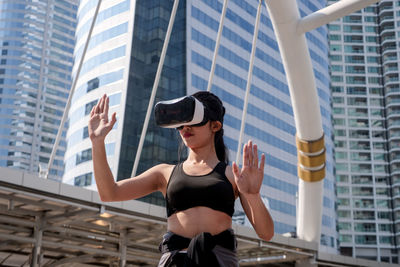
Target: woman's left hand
{"points": [[249, 178]]}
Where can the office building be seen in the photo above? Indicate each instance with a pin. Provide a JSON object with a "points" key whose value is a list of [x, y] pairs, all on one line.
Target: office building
{"points": [[122, 60], [36, 44], [365, 92]]}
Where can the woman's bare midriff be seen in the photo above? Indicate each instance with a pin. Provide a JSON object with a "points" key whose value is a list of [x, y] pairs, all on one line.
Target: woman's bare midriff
{"points": [[193, 221]]}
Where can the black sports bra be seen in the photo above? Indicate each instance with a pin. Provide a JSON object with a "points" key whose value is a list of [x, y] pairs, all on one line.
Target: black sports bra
{"points": [[212, 190]]}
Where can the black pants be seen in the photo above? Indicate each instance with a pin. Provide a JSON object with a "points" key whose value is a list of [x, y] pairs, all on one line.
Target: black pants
{"points": [[202, 250]]}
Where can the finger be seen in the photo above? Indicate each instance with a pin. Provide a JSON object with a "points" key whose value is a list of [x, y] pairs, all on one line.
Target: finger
{"points": [[255, 155], [250, 145], [98, 106], [235, 169], [113, 119], [245, 156], [106, 105], [92, 111], [102, 103], [262, 162]]}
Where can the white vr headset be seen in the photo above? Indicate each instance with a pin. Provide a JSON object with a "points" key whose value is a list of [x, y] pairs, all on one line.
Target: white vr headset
{"points": [[179, 112]]}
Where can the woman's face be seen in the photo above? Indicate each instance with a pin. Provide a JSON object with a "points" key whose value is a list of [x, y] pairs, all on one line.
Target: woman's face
{"points": [[198, 136]]}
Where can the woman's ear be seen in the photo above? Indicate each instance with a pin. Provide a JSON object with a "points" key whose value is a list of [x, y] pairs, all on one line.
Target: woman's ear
{"points": [[216, 126]]}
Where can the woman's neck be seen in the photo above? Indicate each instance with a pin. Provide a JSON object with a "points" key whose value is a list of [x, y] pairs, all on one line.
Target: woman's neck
{"points": [[203, 155]]}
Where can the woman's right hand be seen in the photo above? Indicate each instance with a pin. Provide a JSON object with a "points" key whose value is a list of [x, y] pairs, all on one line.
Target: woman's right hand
{"points": [[99, 125]]}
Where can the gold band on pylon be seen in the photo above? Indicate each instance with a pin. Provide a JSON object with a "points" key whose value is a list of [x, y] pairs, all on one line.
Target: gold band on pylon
{"points": [[311, 176], [310, 146], [311, 161], [311, 154]]}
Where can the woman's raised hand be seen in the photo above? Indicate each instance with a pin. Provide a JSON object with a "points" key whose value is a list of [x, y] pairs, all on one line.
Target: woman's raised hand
{"points": [[99, 125], [249, 178]]}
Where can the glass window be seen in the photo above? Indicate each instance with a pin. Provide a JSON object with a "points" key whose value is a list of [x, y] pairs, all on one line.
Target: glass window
{"points": [[340, 155], [335, 37], [343, 214], [342, 178], [365, 239], [380, 157], [344, 226], [381, 191], [363, 191], [335, 58], [360, 156], [336, 78], [340, 132], [359, 134], [339, 122], [338, 100], [386, 240], [357, 101], [364, 215], [360, 145], [340, 144], [83, 180], [379, 145], [337, 89], [364, 227], [345, 238], [386, 215], [343, 190], [363, 123], [337, 68], [359, 112], [356, 90], [385, 227], [355, 69], [343, 202], [361, 179], [338, 111], [363, 203], [334, 27], [335, 47], [383, 203]]}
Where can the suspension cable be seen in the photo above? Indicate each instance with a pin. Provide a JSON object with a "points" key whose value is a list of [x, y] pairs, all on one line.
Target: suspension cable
{"points": [[71, 92], [248, 85], [155, 87], [218, 41]]}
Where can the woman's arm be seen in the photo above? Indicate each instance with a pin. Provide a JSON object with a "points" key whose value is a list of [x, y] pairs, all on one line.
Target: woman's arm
{"points": [[109, 190], [248, 180]]}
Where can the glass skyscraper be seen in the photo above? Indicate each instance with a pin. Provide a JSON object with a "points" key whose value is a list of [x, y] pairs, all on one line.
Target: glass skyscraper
{"points": [[365, 89], [123, 63], [36, 45]]}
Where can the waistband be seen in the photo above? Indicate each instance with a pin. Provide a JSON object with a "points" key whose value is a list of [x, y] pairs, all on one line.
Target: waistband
{"points": [[172, 241]]}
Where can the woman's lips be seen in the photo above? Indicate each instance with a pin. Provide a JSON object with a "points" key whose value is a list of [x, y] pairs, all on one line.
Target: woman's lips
{"points": [[186, 135]]}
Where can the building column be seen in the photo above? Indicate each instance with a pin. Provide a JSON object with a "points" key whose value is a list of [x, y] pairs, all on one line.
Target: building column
{"points": [[122, 247], [38, 235]]}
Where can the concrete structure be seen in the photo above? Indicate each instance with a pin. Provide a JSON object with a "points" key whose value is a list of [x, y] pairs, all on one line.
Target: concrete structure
{"points": [[36, 44], [46, 223], [365, 88]]}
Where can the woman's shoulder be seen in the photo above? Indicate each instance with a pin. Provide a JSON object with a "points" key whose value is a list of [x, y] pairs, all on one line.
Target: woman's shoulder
{"points": [[164, 167]]}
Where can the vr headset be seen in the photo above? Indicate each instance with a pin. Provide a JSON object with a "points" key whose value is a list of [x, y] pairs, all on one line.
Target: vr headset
{"points": [[179, 112]]}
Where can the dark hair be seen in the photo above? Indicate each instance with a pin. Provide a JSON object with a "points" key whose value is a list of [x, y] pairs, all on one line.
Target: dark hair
{"points": [[215, 111]]}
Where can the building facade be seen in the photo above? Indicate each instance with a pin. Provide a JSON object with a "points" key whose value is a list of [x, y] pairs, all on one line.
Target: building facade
{"points": [[36, 44], [269, 122], [365, 91]]}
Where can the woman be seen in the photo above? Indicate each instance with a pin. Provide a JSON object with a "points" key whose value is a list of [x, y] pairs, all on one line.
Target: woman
{"points": [[200, 192]]}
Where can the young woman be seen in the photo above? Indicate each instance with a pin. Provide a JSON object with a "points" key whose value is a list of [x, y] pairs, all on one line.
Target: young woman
{"points": [[200, 192]]}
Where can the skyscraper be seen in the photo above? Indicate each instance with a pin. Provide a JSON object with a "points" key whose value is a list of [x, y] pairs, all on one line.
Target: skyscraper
{"points": [[270, 118], [365, 89], [36, 44]]}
